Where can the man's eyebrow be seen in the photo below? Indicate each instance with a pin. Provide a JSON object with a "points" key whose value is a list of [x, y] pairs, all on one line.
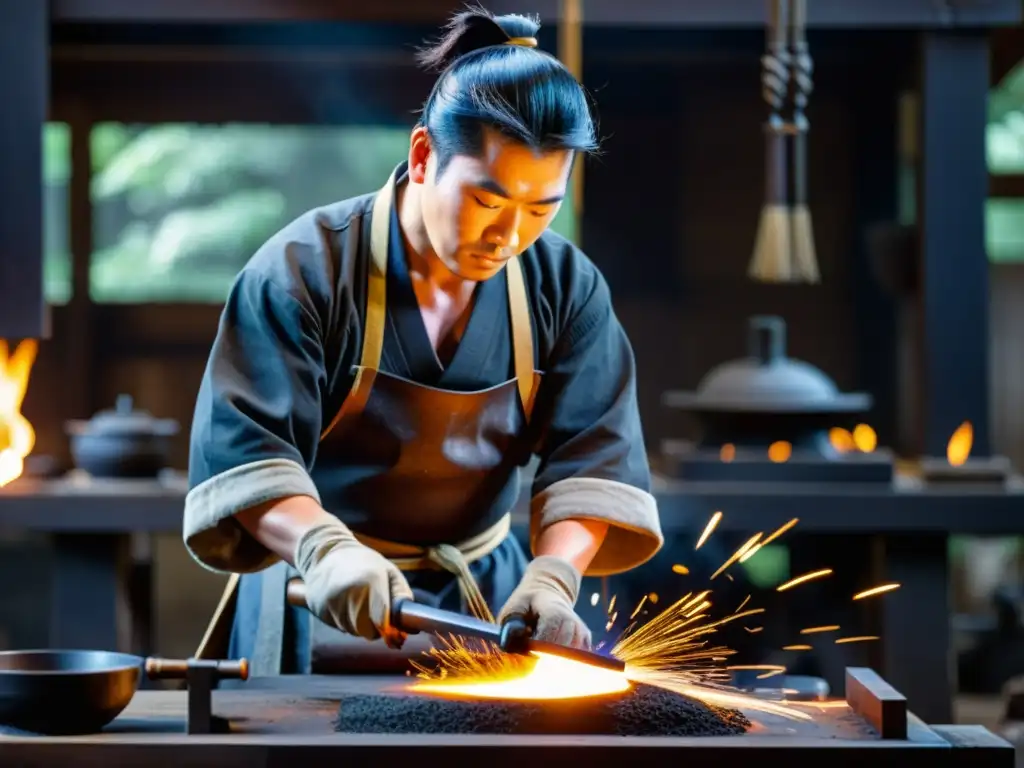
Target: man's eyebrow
{"points": [[490, 185]]}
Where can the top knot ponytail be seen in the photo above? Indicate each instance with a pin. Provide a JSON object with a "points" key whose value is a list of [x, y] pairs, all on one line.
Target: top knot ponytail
{"points": [[472, 30]]}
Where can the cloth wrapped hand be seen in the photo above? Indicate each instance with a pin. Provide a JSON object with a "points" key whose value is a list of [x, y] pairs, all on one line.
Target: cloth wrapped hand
{"points": [[349, 585], [546, 599]]}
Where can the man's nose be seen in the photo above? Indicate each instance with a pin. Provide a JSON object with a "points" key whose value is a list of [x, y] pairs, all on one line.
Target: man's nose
{"points": [[505, 232]]}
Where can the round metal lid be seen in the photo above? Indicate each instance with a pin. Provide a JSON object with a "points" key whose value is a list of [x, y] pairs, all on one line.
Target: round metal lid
{"points": [[768, 381], [124, 419]]}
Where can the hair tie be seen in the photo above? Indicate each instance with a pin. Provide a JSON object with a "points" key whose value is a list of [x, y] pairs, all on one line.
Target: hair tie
{"points": [[526, 42]]}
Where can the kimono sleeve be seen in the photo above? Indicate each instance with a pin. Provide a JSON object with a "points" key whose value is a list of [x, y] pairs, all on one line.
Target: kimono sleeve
{"points": [[257, 420], [593, 462]]}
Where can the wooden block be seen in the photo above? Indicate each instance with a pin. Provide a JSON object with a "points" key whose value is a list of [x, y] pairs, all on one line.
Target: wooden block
{"points": [[877, 702]]}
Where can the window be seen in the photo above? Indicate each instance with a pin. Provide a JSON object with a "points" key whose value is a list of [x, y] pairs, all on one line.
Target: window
{"points": [[178, 209], [56, 226], [1004, 217]]}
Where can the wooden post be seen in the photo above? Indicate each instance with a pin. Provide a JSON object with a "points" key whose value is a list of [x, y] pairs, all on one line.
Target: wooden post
{"points": [[570, 51], [24, 59]]}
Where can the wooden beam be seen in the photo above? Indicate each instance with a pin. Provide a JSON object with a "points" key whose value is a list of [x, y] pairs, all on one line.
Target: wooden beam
{"points": [[877, 702], [861, 14], [1006, 185], [953, 187], [1007, 52], [23, 57]]}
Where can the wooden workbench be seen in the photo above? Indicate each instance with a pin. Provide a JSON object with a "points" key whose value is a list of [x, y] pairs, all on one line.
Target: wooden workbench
{"points": [[288, 722]]}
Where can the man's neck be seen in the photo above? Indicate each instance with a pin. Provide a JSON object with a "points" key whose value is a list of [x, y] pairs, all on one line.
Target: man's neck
{"points": [[424, 265]]}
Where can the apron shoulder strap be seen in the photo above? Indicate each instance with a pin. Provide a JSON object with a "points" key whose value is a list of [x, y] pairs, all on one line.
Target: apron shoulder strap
{"points": [[376, 299], [522, 333], [373, 333]]}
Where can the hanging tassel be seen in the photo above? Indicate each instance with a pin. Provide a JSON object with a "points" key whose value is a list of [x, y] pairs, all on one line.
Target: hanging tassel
{"points": [[772, 262], [570, 51], [805, 261]]}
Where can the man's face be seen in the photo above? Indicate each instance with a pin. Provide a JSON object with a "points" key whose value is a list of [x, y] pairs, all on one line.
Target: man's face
{"points": [[482, 211]]}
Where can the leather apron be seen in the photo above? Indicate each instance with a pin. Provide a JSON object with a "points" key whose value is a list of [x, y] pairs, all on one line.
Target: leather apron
{"points": [[410, 467]]}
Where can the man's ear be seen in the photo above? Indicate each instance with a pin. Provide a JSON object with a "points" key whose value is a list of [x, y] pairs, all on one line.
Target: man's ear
{"points": [[419, 154]]}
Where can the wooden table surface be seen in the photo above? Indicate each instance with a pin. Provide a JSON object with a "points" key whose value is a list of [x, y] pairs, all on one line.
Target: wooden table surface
{"points": [[288, 721]]}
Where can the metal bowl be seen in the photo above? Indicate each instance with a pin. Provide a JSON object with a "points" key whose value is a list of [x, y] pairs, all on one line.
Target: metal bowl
{"points": [[65, 692]]}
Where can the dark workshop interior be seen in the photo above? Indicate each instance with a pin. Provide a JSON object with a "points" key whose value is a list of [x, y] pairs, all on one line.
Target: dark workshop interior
{"points": [[148, 148]]}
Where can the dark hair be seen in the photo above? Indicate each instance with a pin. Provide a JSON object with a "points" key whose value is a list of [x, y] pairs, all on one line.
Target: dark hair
{"points": [[486, 82]]}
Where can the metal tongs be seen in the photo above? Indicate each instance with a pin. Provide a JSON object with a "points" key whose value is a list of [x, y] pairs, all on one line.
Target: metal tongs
{"points": [[515, 635]]}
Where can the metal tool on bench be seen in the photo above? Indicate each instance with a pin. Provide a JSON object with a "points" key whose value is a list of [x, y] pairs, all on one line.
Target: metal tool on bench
{"points": [[76, 692], [513, 636]]}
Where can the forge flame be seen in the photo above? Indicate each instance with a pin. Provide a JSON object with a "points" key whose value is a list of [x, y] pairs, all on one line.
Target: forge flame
{"points": [[542, 678], [17, 438]]}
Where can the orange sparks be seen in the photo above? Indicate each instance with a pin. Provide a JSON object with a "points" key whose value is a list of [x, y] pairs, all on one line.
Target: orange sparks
{"points": [[682, 570], [709, 529], [738, 554], [772, 673], [860, 639], [779, 452], [757, 667], [639, 606], [728, 452], [653, 597], [804, 579], [780, 531], [761, 544], [879, 590], [753, 630], [958, 449], [815, 630], [796, 647]]}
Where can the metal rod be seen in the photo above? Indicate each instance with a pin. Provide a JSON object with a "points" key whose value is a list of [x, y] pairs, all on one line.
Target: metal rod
{"points": [[412, 618]]}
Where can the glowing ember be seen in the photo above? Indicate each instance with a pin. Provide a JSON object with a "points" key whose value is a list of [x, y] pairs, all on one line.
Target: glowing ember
{"points": [[682, 570], [17, 438], [859, 639], [796, 647], [550, 678], [728, 452], [841, 440], [779, 452], [958, 450], [864, 438]]}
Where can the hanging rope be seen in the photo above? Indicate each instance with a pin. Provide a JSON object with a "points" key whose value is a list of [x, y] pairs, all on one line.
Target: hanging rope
{"points": [[784, 248]]}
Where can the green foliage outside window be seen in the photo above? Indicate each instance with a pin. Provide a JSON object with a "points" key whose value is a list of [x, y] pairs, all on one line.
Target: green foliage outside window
{"points": [[178, 209]]}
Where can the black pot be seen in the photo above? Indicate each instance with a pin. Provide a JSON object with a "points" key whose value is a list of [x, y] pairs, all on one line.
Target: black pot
{"points": [[122, 443], [767, 396]]}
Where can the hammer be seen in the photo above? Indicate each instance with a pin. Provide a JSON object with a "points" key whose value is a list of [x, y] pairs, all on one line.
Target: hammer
{"points": [[515, 635]]}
